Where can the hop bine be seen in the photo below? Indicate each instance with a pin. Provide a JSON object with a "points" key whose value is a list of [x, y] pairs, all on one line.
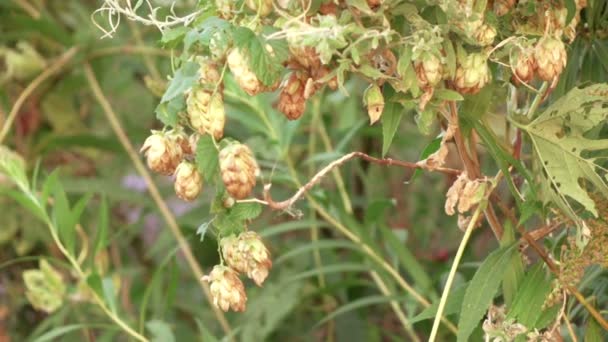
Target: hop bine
{"points": [[163, 153], [247, 254], [238, 169], [226, 289]]}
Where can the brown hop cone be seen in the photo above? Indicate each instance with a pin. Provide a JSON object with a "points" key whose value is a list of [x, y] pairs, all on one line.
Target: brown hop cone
{"points": [[550, 57], [523, 70], [225, 8], [243, 75], [429, 70], [206, 112], [163, 153], [188, 181], [247, 254], [485, 34], [305, 56], [261, 7], [238, 169], [226, 289], [292, 101], [502, 7], [384, 60], [472, 74], [210, 75]]}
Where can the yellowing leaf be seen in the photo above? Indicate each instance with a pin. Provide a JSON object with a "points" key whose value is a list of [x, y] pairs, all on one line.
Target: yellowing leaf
{"points": [[568, 158]]}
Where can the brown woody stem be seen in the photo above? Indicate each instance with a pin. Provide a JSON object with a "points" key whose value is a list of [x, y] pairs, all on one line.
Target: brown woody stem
{"points": [[286, 204]]}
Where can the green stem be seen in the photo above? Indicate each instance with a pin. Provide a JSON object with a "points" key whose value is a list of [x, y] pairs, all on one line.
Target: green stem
{"points": [[450, 280]]}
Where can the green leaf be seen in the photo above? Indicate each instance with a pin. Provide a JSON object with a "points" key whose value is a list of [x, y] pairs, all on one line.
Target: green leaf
{"points": [[168, 112], [360, 303], [571, 10], [593, 331], [245, 211], [567, 157], [407, 259], [207, 158], [172, 37], [391, 117], [425, 121], [429, 149], [55, 333], [109, 293], [448, 95], [452, 306], [481, 290], [266, 66], [528, 302], [405, 61], [514, 272], [62, 218], [161, 331], [26, 202], [101, 238], [95, 283], [184, 78], [601, 50]]}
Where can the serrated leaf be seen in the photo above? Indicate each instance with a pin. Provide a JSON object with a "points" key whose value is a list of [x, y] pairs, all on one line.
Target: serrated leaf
{"points": [[391, 117], [563, 151], [267, 66], [168, 112], [184, 78], [207, 158], [453, 304], [171, 38], [429, 149], [245, 211], [481, 290]]}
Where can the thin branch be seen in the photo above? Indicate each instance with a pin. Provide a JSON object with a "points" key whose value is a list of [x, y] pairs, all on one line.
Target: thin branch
{"points": [[286, 204], [448, 284], [154, 192], [50, 71]]}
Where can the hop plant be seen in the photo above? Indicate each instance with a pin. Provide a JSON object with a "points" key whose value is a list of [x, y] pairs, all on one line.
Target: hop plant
{"points": [[550, 57], [292, 101], [485, 34], [247, 254], [238, 170], [188, 181], [243, 75], [226, 289], [502, 7], [206, 112], [429, 70], [472, 74], [524, 67], [163, 153]]}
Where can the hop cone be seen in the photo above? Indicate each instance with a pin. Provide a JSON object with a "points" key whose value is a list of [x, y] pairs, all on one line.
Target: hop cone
{"points": [[261, 7], [472, 74], [243, 75], [226, 289], [206, 112], [238, 169], [524, 68], [550, 57], [292, 101], [429, 70], [188, 181], [247, 254], [163, 153], [485, 34]]}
